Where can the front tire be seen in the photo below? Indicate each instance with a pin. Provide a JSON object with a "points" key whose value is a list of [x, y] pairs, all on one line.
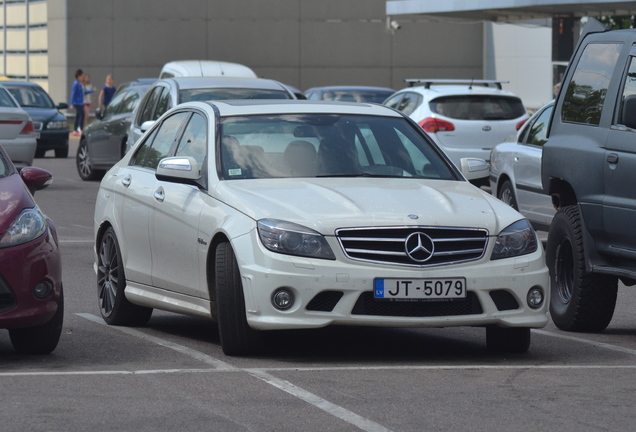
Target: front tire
{"points": [[84, 165], [111, 281], [508, 339], [237, 337], [41, 339], [507, 195], [579, 301]]}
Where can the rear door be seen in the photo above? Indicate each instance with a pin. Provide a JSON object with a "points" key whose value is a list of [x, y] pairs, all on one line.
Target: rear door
{"points": [[619, 202], [532, 201]]}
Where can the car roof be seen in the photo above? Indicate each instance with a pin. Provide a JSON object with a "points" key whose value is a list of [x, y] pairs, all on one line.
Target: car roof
{"points": [[344, 88], [185, 83], [280, 106], [19, 83]]}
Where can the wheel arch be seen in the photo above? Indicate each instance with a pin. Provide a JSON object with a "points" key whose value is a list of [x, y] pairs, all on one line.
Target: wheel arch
{"points": [[562, 193]]}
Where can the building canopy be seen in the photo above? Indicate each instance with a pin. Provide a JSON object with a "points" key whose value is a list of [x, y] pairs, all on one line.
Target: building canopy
{"points": [[509, 10]]}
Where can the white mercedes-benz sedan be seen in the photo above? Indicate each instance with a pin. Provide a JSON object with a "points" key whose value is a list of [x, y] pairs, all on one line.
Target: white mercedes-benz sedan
{"points": [[266, 215]]}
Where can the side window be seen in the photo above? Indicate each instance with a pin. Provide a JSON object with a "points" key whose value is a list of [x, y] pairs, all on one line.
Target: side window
{"points": [[394, 101], [313, 96], [585, 95], [130, 103], [148, 108], [410, 102], [115, 104], [159, 146], [193, 142], [630, 83], [539, 130], [164, 103]]}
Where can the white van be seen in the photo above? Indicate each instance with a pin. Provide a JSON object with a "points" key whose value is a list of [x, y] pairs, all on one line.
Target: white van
{"points": [[206, 68]]}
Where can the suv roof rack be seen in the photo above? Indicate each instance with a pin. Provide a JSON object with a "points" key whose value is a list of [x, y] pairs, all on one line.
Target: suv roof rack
{"points": [[428, 82]]}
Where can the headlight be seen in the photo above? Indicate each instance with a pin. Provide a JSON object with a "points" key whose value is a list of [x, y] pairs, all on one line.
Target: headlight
{"points": [[29, 225], [518, 239], [57, 125], [293, 239]]}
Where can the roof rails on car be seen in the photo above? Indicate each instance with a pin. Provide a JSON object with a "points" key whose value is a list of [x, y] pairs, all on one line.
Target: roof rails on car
{"points": [[428, 82]]}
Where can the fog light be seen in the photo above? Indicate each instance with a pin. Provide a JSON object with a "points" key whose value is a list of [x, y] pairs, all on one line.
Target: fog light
{"points": [[42, 289], [535, 297], [282, 299]]}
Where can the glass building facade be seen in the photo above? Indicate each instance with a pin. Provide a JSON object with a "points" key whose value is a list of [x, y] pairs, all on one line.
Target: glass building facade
{"points": [[24, 40]]}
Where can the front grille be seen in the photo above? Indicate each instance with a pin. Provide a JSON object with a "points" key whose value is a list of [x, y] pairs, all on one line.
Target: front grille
{"points": [[37, 126], [389, 244], [367, 305], [504, 300], [7, 298], [325, 301]]}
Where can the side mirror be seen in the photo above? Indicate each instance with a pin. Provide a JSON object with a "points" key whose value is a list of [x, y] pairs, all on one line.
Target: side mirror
{"points": [[146, 125], [475, 170], [179, 169], [36, 178], [629, 112], [99, 114], [62, 105]]}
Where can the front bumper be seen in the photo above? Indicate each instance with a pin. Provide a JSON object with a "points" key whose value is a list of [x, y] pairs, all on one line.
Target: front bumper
{"points": [[53, 139], [340, 292], [22, 267]]}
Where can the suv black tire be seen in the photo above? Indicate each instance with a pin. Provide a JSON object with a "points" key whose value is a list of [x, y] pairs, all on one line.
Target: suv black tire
{"points": [[580, 301]]}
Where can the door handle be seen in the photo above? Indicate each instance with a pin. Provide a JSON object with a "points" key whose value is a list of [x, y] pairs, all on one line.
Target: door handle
{"points": [[126, 181], [612, 158], [160, 195]]}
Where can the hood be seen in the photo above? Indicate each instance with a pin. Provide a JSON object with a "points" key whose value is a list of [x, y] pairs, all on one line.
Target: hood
{"points": [[14, 198], [331, 203], [44, 114]]}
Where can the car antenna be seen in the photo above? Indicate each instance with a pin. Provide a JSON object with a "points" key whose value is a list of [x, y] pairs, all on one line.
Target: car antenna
{"points": [[470, 87]]}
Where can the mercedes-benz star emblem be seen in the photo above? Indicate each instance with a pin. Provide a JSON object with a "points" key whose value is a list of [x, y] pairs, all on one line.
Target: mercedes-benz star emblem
{"points": [[419, 247]]}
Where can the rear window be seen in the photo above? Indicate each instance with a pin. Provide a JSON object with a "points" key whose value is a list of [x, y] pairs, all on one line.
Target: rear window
{"points": [[230, 93], [478, 107]]}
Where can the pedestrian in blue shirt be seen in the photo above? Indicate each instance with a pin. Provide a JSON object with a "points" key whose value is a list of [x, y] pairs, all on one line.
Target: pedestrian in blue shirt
{"points": [[77, 101], [107, 93]]}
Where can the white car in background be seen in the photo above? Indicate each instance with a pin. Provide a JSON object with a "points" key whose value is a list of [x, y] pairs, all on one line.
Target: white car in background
{"points": [[167, 93], [267, 215], [515, 170], [466, 118], [17, 132]]}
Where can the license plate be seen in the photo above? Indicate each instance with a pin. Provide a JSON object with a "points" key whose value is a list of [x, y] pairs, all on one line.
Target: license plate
{"points": [[37, 135], [419, 289]]}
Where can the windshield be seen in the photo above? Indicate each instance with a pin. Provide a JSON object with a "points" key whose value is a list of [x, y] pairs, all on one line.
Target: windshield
{"points": [[5, 167], [206, 94], [323, 145], [31, 97], [478, 107]]}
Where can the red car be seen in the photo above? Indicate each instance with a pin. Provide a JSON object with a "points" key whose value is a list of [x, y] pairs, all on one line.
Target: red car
{"points": [[31, 299]]}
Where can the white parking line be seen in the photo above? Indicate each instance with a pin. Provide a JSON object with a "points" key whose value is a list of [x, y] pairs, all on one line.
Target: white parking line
{"points": [[587, 341], [335, 410], [218, 364]]}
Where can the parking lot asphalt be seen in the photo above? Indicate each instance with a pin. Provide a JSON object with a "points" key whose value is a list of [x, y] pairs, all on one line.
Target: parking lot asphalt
{"points": [[172, 375]]}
